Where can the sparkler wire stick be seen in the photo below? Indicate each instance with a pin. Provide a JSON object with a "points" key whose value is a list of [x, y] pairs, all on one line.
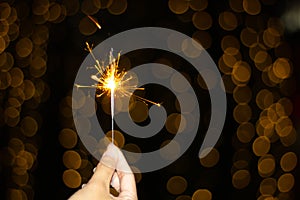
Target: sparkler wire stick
{"points": [[112, 108]]}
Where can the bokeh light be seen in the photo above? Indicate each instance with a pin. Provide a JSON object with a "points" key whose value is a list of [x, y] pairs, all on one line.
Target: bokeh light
{"points": [[202, 194], [288, 161], [247, 40], [241, 179], [72, 178], [202, 20], [211, 159], [285, 182], [176, 185], [178, 6], [118, 7]]}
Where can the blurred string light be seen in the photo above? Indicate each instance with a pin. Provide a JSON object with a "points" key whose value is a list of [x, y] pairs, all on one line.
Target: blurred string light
{"points": [[23, 46], [257, 53], [261, 38]]}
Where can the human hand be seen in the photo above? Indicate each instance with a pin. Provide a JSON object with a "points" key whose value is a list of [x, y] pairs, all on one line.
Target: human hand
{"points": [[108, 173]]}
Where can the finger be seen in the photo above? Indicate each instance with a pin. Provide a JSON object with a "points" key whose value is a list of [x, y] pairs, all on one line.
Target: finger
{"points": [[115, 182], [126, 178], [106, 167], [127, 186]]}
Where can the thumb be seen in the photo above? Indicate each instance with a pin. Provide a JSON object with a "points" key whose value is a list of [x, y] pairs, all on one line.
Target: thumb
{"points": [[106, 167]]}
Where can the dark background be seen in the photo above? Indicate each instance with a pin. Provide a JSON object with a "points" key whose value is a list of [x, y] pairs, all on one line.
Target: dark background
{"points": [[66, 52]]}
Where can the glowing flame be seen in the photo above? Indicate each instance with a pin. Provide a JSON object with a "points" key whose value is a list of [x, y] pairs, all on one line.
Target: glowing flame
{"points": [[110, 80]]}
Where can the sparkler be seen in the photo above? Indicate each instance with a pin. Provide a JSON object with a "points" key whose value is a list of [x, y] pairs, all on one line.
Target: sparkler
{"points": [[110, 80], [94, 21]]}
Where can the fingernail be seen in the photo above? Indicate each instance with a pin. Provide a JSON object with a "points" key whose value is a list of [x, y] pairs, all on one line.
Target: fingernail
{"points": [[94, 169], [83, 185]]}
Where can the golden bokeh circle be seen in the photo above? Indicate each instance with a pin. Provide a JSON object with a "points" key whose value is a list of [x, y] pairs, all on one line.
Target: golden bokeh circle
{"points": [[11, 116], [176, 185], [90, 7], [268, 186], [202, 20], [266, 165], [178, 6], [202, 194], [87, 27], [242, 113], [284, 126], [38, 67], [252, 7], [271, 38], [264, 99], [242, 94], [285, 182], [5, 10], [288, 161], [211, 159], [282, 68], [17, 76], [71, 178], [20, 180], [24, 47], [261, 146], [249, 37], [72, 159], [139, 112], [198, 5], [118, 7], [241, 179], [175, 123], [54, 11], [28, 126], [245, 132], [119, 139], [228, 21], [29, 157]]}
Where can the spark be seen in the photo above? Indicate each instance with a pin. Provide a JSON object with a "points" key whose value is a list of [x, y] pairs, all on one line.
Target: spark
{"points": [[112, 81], [94, 21]]}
